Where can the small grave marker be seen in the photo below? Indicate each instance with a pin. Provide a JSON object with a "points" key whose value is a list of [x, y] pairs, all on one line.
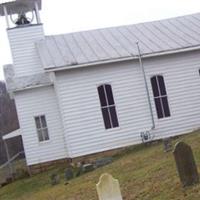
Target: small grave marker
{"points": [[167, 143], [69, 174], [55, 179], [87, 167], [186, 164], [108, 188], [103, 161]]}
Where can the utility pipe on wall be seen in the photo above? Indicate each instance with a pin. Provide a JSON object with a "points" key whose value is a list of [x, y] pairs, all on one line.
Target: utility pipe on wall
{"points": [[146, 85]]}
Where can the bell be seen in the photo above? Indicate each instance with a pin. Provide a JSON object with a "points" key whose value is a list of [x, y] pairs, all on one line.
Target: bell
{"points": [[22, 20]]}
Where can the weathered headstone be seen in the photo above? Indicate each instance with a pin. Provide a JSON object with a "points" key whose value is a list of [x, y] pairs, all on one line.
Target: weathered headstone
{"points": [[87, 167], [167, 143], [185, 163], [103, 161], [78, 171], [108, 188], [55, 179], [69, 174]]}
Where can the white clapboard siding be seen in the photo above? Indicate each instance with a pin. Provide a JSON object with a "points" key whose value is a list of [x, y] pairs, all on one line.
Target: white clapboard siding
{"points": [[40, 101], [25, 57], [84, 126], [83, 122], [182, 80]]}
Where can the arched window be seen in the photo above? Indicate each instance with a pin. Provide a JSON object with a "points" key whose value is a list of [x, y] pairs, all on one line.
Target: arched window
{"points": [[160, 96], [108, 106]]}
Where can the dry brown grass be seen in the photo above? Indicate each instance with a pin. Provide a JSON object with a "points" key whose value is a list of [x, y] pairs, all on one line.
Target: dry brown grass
{"points": [[145, 173]]}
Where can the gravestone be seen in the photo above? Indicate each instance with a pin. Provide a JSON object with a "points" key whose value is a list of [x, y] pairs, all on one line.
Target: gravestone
{"points": [[167, 143], [55, 179], [103, 161], [185, 163], [87, 167], [69, 174], [108, 188], [78, 171]]}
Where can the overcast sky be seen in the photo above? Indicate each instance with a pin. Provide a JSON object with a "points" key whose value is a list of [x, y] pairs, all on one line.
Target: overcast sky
{"points": [[63, 16]]}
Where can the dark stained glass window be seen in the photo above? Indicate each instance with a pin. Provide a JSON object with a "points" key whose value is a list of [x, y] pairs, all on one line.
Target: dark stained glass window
{"points": [[160, 96], [108, 106]]}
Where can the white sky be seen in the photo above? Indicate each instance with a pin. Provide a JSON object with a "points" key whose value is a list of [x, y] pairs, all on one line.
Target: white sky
{"points": [[62, 16]]}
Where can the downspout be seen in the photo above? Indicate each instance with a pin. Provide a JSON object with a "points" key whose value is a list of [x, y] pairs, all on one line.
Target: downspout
{"points": [[146, 85]]}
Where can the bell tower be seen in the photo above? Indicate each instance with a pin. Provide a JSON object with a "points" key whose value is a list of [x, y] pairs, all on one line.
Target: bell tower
{"points": [[24, 28]]}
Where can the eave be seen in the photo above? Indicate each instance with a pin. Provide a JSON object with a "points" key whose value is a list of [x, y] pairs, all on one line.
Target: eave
{"points": [[130, 58]]}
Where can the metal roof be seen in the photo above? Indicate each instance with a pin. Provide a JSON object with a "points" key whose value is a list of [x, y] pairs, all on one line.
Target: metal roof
{"points": [[111, 44]]}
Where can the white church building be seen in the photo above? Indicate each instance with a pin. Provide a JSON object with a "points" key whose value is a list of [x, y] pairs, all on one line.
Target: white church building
{"points": [[88, 92]]}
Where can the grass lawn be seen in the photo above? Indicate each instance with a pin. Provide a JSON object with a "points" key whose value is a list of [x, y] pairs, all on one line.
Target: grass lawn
{"points": [[145, 173]]}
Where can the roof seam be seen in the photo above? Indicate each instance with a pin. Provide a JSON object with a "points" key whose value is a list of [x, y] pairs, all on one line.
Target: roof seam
{"points": [[177, 28], [120, 43], [163, 41], [58, 48], [192, 22], [138, 40], [89, 45], [130, 41], [83, 53], [92, 33], [100, 46], [49, 53], [166, 35], [110, 43], [174, 33], [147, 37], [69, 49], [190, 28]]}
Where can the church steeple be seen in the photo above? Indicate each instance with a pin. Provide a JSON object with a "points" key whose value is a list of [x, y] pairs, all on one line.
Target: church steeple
{"points": [[24, 29], [21, 12]]}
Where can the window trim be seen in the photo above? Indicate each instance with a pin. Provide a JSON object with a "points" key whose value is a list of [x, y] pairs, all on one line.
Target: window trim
{"points": [[108, 106], [160, 96], [42, 128]]}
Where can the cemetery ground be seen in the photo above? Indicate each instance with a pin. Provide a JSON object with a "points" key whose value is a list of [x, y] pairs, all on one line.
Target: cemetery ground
{"points": [[144, 173]]}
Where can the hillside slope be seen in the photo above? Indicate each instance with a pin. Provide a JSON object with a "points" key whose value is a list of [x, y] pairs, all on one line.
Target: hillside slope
{"points": [[8, 123], [145, 173]]}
